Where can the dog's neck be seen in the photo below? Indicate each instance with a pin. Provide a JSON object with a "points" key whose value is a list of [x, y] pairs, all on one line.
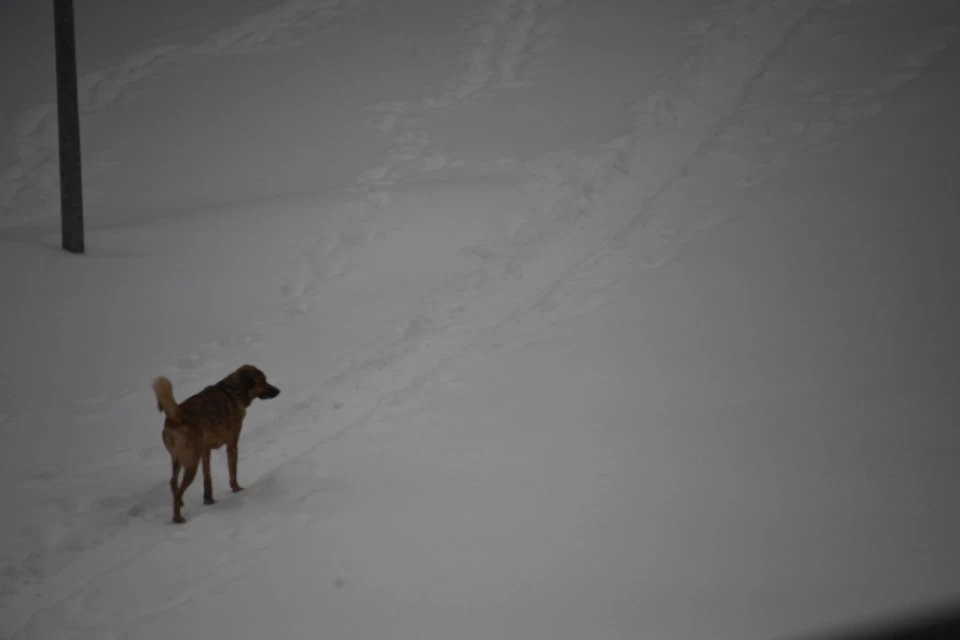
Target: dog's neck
{"points": [[235, 395]]}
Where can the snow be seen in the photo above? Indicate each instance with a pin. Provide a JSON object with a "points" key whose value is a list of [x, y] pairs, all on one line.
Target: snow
{"points": [[592, 319]]}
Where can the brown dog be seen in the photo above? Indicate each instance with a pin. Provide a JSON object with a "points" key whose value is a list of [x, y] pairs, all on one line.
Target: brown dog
{"points": [[207, 421]]}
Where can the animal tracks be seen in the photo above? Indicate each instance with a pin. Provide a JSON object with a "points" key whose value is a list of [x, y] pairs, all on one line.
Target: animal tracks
{"points": [[794, 107], [502, 37], [499, 45], [832, 96]]}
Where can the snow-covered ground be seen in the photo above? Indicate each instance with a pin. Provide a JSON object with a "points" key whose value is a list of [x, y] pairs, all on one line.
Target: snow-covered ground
{"points": [[593, 319]]}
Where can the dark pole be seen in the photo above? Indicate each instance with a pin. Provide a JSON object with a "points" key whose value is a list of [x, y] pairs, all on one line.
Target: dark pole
{"points": [[68, 119]]}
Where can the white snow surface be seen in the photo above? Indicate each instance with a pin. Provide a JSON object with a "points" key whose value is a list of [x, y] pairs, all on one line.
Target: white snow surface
{"points": [[592, 319]]}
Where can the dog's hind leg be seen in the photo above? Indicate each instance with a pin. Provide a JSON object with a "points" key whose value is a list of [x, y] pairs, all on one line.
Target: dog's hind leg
{"points": [[207, 480], [189, 473], [175, 476]]}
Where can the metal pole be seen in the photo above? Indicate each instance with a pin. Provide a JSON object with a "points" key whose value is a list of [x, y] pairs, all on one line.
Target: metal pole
{"points": [[68, 118]]}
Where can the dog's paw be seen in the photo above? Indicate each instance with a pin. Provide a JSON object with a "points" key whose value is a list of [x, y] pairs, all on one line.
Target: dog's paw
{"points": [[237, 488], [209, 500], [179, 519]]}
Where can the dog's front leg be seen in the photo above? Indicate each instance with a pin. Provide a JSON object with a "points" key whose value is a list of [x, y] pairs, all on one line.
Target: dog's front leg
{"points": [[207, 480], [232, 463]]}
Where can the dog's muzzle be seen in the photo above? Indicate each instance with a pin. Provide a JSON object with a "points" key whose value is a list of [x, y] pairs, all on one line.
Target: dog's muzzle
{"points": [[270, 392]]}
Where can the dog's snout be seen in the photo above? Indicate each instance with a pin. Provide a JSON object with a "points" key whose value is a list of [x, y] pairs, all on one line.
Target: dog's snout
{"points": [[270, 392]]}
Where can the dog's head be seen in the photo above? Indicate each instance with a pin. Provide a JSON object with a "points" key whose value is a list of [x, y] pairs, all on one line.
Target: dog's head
{"points": [[250, 384]]}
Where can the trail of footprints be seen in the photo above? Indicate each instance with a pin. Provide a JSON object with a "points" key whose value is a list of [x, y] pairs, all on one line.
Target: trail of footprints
{"points": [[784, 117], [789, 111], [501, 37], [500, 40]]}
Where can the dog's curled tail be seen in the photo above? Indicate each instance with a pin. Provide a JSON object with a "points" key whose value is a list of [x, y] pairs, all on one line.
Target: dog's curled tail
{"points": [[165, 402]]}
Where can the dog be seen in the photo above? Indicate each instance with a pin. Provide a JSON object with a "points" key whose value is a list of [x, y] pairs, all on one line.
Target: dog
{"points": [[206, 421]]}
